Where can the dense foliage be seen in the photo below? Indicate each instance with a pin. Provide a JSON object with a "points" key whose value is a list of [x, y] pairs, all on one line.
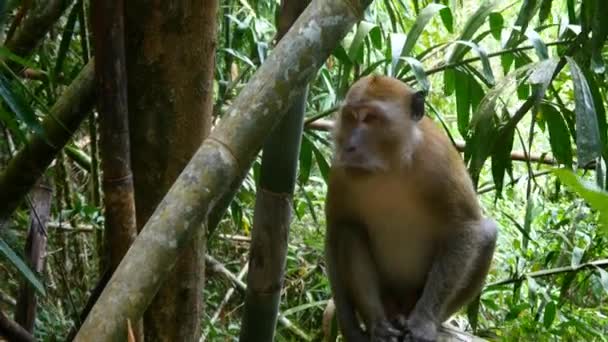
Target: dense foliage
{"points": [[519, 86]]}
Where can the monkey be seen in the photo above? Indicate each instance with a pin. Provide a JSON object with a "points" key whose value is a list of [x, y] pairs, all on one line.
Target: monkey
{"points": [[406, 244]]}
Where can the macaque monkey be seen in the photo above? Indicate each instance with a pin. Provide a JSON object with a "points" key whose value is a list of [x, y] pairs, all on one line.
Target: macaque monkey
{"points": [[406, 243]]}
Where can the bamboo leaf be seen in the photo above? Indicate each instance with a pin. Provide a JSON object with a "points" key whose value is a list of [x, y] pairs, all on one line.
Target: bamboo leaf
{"points": [[483, 56], [599, 106], [559, 138], [501, 160], [497, 23], [591, 193], [365, 28], [305, 160], [423, 18], [321, 163], [539, 46], [447, 19], [397, 42], [527, 11], [419, 73], [470, 28], [449, 82], [545, 10], [603, 278], [549, 314], [588, 140], [19, 106], [21, 266], [463, 103], [8, 54]]}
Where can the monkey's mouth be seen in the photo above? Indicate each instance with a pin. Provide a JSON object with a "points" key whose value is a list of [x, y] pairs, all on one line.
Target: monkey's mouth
{"points": [[360, 165]]}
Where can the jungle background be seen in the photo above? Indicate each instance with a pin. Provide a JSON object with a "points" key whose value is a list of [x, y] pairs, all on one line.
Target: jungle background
{"points": [[519, 86]]}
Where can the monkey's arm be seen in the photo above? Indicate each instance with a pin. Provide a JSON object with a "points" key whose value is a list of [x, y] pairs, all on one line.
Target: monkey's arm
{"points": [[456, 276], [335, 252]]}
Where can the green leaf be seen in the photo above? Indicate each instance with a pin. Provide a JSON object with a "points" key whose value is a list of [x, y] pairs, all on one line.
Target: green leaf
{"points": [[496, 24], [321, 162], [341, 54], [305, 160], [593, 195], [603, 278], [588, 140], [447, 19], [527, 11], [559, 137], [501, 160], [396, 41], [19, 106], [449, 82], [599, 105], [523, 90], [483, 56], [545, 10], [539, 46], [21, 266], [506, 61], [423, 18], [463, 103], [419, 73], [8, 54], [549, 314], [365, 28], [470, 28], [577, 256]]}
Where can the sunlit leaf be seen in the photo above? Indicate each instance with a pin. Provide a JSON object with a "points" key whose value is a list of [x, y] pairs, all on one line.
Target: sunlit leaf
{"points": [[474, 22], [396, 41], [595, 197], [603, 278], [483, 56], [588, 141], [423, 18], [419, 73], [365, 28], [527, 11], [21, 266], [539, 47]]}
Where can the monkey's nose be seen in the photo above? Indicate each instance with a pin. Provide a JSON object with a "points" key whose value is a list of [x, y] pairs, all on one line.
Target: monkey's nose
{"points": [[350, 149]]}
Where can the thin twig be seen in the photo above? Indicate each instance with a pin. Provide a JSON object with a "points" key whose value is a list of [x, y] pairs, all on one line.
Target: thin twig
{"points": [[552, 271], [240, 285]]}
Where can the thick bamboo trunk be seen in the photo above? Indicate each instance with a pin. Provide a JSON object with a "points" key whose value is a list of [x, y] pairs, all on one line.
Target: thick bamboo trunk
{"points": [[231, 148]]}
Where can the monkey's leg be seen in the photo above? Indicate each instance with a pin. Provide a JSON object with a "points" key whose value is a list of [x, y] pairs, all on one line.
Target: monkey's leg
{"points": [[461, 261], [355, 284], [481, 266]]}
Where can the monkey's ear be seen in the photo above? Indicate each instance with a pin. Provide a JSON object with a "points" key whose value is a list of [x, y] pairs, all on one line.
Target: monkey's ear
{"points": [[418, 105]]}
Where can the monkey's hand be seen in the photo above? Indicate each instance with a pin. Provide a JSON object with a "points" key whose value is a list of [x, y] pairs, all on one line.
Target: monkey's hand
{"points": [[384, 331], [420, 329]]}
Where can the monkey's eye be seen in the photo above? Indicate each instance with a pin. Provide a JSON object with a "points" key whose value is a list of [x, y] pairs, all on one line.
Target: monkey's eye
{"points": [[370, 118]]}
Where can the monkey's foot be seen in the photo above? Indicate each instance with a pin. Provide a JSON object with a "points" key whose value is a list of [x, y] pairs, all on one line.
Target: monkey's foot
{"points": [[384, 331]]}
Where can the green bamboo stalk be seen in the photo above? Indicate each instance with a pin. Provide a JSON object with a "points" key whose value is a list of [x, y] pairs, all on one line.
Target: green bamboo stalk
{"points": [[29, 163], [272, 215], [231, 148]]}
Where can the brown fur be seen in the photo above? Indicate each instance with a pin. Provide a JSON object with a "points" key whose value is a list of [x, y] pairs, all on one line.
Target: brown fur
{"points": [[395, 205]]}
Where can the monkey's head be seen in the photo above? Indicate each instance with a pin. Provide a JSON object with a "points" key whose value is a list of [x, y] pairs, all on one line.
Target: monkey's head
{"points": [[376, 129]]}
